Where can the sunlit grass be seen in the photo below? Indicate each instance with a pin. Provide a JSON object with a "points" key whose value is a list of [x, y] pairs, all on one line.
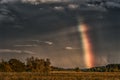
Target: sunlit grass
{"points": [[64, 75]]}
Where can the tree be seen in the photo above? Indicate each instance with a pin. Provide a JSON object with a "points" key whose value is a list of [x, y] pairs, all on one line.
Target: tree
{"points": [[47, 65], [38, 65], [5, 67], [16, 65], [32, 65], [77, 69]]}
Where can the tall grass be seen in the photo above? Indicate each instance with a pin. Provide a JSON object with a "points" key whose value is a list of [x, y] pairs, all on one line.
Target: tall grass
{"points": [[60, 76]]}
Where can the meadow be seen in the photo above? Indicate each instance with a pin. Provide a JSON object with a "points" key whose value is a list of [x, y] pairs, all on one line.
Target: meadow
{"points": [[60, 75]]}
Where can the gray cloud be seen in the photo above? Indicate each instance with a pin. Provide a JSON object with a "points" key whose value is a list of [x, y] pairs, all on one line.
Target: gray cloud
{"points": [[18, 45], [43, 1], [45, 32], [72, 48], [5, 1], [9, 50], [39, 41], [16, 51], [29, 52], [68, 48]]}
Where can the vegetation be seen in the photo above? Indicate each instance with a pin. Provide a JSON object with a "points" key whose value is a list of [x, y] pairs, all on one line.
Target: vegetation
{"points": [[40, 69], [107, 68], [60, 76], [44, 66], [32, 65]]}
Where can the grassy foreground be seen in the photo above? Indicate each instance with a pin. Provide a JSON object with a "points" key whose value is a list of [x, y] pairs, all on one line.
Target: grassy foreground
{"points": [[60, 76]]}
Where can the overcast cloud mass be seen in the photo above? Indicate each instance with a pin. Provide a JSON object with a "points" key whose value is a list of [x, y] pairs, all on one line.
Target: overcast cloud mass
{"points": [[51, 31]]}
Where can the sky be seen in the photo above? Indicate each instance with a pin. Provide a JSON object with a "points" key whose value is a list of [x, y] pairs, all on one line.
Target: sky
{"points": [[33, 1], [46, 32]]}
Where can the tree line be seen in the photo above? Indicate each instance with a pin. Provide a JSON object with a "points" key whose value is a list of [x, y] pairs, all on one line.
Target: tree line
{"points": [[32, 65], [107, 68]]}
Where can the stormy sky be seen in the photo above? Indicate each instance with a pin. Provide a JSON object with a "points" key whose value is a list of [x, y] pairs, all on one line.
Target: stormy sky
{"points": [[51, 31]]}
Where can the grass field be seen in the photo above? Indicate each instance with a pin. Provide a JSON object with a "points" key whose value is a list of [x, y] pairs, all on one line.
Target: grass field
{"points": [[60, 76]]}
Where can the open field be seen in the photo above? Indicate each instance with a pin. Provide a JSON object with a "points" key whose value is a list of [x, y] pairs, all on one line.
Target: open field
{"points": [[60, 76]]}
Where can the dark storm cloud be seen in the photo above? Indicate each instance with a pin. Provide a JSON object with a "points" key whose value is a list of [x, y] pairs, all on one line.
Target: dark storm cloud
{"points": [[50, 46], [43, 31], [33, 1], [6, 1], [25, 19]]}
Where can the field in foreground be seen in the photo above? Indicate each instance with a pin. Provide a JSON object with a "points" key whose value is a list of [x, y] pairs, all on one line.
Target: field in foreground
{"points": [[60, 76]]}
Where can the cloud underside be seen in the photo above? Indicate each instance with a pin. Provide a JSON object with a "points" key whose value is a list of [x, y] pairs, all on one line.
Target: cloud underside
{"points": [[16, 51], [52, 32]]}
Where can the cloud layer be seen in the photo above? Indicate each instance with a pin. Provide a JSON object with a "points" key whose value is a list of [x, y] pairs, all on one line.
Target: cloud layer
{"points": [[49, 31], [16, 51]]}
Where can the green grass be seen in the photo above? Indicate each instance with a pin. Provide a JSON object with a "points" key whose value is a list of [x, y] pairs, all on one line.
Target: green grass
{"points": [[64, 75]]}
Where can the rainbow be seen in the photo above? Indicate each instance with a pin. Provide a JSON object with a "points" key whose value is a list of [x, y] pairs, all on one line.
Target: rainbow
{"points": [[87, 45]]}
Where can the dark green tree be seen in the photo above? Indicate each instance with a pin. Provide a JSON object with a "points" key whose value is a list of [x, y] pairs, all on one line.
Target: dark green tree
{"points": [[38, 65], [5, 67], [77, 69], [47, 67], [16, 65]]}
